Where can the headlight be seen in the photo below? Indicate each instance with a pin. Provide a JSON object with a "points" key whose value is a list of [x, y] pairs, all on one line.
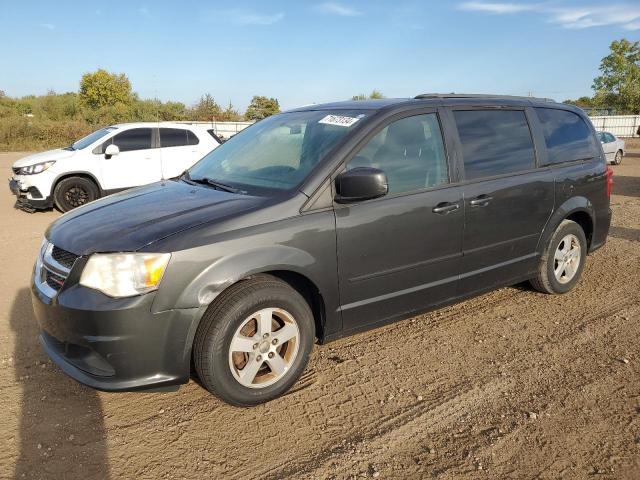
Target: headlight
{"points": [[37, 168], [124, 274]]}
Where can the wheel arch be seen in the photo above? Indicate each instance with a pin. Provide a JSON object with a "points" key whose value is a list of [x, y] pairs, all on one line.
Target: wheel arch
{"points": [[83, 174], [309, 291], [577, 209], [296, 280]]}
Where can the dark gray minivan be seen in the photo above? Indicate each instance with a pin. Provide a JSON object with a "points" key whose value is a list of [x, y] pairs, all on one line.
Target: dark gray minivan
{"points": [[314, 224]]}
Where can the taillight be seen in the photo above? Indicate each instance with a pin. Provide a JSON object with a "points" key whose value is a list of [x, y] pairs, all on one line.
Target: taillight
{"points": [[609, 181]]}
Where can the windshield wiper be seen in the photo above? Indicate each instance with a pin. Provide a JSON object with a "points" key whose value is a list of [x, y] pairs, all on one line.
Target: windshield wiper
{"points": [[215, 184], [70, 148], [185, 177]]}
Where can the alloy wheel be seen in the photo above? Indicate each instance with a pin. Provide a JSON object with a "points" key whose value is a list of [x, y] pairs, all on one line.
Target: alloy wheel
{"points": [[76, 196], [264, 347], [567, 258]]}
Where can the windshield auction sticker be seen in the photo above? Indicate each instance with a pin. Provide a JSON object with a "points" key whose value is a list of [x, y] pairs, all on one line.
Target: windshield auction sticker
{"points": [[338, 120]]}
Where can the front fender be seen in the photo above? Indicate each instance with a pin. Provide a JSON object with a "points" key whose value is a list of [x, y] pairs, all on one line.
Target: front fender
{"points": [[223, 272]]}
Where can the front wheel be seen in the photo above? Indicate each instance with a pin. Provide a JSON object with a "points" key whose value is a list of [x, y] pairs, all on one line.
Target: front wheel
{"points": [[74, 192], [254, 341], [563, 260]]}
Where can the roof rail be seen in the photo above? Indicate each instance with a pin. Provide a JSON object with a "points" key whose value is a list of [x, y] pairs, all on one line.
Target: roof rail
{"points": [[478, 95]]}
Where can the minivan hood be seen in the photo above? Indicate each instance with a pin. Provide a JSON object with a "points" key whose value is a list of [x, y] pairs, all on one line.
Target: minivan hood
{"points": [[130, 220], [49, 155]]}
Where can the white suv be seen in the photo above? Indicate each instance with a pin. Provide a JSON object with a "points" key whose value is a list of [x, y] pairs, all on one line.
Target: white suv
{"points": [[108, 160]]}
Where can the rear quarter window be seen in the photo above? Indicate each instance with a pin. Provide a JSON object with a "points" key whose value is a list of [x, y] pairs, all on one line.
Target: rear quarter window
{"points": [[192, 139], [566, 135]]}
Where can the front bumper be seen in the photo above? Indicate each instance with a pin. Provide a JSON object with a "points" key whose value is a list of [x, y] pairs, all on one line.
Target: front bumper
{"points": [[114, 344], [29, 196]]}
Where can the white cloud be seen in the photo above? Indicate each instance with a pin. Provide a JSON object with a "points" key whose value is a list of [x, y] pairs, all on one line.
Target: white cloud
{"points": [[496, 7], [632, 26], [249, 17], [48, 26], [574, 17], [333, 8]]}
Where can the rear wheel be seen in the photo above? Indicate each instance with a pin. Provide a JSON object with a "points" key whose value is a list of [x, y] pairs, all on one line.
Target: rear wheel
{"points": [[618, 158], [254, 341], [74, 192], [563, 260]]}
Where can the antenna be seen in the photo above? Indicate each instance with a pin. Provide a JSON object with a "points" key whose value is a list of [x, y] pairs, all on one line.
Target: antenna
{"points": [[157, 102]]}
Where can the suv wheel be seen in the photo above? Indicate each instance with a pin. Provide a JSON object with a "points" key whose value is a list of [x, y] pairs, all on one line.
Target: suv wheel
{"points": [[74, 192], [618, 158], [563, 260], [254, 341]]}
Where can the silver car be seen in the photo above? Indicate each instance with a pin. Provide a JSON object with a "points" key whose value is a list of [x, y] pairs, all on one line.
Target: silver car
{"points": [[612, 146]]}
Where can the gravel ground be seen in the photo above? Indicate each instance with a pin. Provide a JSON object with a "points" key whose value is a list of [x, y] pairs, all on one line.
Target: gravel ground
{"points": [[512, 384]]}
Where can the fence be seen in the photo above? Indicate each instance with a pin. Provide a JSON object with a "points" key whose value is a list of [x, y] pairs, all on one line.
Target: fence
{"points": [[224, 130], [619, 125]]}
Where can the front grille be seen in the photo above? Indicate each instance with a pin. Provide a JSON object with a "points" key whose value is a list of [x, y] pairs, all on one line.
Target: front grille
{"points": [[63, 257], [16, 170], [54, 281], [52, 269]]}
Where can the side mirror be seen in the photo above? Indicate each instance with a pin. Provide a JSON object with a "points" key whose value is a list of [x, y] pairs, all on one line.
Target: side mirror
{"points": [[361, 183], [110, 151]]}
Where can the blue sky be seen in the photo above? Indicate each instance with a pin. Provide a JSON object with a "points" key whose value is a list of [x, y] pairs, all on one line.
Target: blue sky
{"points": [[312, 51]]}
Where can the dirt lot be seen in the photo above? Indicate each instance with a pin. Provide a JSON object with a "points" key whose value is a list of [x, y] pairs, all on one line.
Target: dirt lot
{"points": [[513, 384]]}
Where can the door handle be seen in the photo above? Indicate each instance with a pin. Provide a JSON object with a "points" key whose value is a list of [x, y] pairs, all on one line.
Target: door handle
{"points": [[445, 208], [481, 201]]}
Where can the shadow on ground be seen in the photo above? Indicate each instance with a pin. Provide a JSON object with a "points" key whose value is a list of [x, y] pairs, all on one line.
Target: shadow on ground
{"points": [[61, 427], [627, 186], [625, 233]]}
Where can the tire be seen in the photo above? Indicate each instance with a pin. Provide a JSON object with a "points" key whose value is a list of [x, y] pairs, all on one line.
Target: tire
{"points": [[74, 192], [618, 158], [234, 316], [562, 244]]}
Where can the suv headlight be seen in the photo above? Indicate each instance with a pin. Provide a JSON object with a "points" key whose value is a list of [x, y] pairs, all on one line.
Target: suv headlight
{"points": [[37, 168], [124, 274]]}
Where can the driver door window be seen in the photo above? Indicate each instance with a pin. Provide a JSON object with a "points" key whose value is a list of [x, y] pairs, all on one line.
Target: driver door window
{"points": [[411, 153], [130, 140]]}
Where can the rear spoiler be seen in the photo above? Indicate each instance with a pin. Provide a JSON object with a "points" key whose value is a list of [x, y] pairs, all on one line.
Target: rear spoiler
{"points": [[215, 136]]}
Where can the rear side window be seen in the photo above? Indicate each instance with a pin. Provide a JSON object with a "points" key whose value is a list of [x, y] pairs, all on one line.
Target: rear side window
{"points": [[173, 137], [494, 142], [129, 140], [567, 136]]}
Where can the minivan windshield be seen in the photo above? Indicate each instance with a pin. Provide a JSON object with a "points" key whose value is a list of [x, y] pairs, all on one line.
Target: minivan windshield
{"points": [[276, 153], [89, 139]]}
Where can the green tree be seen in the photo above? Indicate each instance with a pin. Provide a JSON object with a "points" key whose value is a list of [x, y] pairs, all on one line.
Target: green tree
{"points": [[206, 109], [374, 95], [262, 107], [618, 84], [172, 111], [101, 89], [230, 114], [583, 102]]}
